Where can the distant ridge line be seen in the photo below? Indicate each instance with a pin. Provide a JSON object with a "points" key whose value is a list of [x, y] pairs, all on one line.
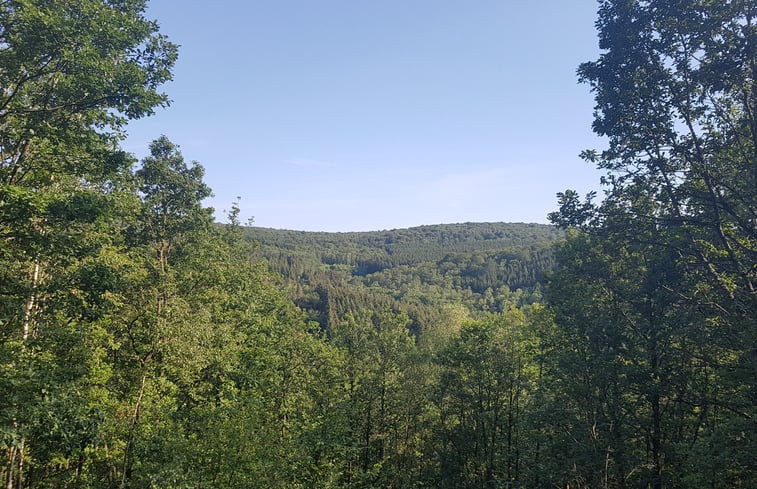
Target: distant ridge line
{"points": [[410, 228]]}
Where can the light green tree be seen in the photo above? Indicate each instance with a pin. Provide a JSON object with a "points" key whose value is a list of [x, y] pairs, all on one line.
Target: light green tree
{"points": [[484, 396], [72, 72]]}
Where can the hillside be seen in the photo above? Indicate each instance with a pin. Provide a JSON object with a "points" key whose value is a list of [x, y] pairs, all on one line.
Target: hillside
{"points": [[485, 266]]}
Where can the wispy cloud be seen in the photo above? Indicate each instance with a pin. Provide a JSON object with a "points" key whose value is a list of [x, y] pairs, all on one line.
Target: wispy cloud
{"points": [[310, 163]]}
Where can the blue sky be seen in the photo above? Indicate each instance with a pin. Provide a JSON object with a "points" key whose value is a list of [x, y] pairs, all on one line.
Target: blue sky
{"points": [[351, 115]]}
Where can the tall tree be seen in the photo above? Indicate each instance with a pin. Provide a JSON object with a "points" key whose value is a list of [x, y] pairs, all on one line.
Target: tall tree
{"points": [[676, 98], [628, 370], [158, 324], [381, 404], [484, 393], [72, 72]]}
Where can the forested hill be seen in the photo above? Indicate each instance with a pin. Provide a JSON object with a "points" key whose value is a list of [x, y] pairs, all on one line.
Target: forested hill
{"points": [[142, 346], [485, 266], [411, 245]]}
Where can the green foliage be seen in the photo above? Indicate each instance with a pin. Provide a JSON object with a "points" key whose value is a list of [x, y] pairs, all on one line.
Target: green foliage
{"points": [[485, 436], [485, 266], [72, 73], [379, 409], [369, 252], [143, 346], [655, 295]]}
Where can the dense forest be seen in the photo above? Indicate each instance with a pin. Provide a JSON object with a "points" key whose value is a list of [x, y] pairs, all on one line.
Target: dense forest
{"points": [[484, 267], [142, 345]]}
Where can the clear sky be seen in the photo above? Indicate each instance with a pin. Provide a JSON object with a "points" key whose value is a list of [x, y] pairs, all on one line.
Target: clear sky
{"points": [[352, 115]]}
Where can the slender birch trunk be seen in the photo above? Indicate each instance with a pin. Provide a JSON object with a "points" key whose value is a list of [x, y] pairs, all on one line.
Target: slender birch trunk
{"points": [[31, 302]]}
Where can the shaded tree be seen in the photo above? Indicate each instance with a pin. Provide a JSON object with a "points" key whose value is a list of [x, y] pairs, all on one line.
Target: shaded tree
{"points": [[674, 240]]}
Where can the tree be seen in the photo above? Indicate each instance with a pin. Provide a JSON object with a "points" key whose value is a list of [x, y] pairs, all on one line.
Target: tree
{"points": [[159, 328], [628, 371], [483, 397], [381, 406], [72, 72], [676, 98]]}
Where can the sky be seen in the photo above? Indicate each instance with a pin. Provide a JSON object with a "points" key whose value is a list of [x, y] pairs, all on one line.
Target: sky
{"points": [[358, 115]]}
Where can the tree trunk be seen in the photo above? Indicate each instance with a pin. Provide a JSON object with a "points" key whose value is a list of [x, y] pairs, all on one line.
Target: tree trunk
{"points": [[126, 469], [11, 463], [31, 302]]}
